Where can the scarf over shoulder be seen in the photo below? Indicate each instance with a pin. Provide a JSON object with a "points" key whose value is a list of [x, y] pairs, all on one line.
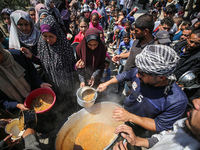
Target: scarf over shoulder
{"points": [[98, 55]]}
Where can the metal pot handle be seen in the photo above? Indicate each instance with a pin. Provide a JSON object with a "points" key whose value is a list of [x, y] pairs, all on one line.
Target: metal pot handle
{"points": [[71, 115]]}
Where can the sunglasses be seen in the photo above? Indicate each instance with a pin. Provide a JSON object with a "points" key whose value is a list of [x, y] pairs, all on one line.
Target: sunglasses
{"points": [[184, 35]]}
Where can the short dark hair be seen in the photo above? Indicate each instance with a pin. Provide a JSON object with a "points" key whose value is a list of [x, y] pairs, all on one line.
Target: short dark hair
{"points": [[187, 22], [128, 22], [171, 9], [168, 21], [196, 32], [190, 28], [123, 12], [95, 14], [126, 35], [145, 22]]}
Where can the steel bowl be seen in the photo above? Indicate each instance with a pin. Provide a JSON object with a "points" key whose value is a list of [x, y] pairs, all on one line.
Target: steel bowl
{"points": [[188, 80]]}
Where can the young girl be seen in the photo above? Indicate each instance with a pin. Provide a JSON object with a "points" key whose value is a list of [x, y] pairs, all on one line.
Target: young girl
{"points": [[91, 53], [83, 26], [95, 22]]}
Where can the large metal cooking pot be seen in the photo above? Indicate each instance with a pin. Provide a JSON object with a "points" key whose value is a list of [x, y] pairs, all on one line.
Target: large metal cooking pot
{"points": [[98, 113]]}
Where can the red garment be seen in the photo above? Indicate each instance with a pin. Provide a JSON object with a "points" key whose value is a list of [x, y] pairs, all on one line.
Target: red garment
{"points": [[93, 59], [78, 37]]}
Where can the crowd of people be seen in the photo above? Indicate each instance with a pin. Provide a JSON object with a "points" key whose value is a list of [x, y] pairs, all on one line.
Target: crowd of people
{"points": [[63, 45]]}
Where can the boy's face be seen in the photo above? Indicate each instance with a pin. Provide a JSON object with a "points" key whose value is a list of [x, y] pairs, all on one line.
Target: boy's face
{"points": [[112, 3], [107, 65], [126, 40], [112, 8], [116, 33], [127, 26]]}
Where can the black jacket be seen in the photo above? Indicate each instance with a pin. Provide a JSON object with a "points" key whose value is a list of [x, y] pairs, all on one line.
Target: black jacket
{"points": [[188, 61]]}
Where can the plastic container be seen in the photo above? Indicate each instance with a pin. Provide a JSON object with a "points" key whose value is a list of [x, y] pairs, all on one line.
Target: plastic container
{"points": [[37, 92], [13, 128]]}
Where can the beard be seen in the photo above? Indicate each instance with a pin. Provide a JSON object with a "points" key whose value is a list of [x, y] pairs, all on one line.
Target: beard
{"points": [[190, 133]]}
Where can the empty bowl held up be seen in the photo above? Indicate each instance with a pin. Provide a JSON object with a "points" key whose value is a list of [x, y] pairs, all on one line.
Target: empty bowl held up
{"points": [[79, 95], [12, 128], [40, 91]]}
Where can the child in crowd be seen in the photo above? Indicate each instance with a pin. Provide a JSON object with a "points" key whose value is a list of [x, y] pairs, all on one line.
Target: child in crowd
{"points": [[115, 38], [178, 21], [95, 22], [132, 32], [83, 26], [124, 47], [107, 71], [85, 11], [125, 30], [130, 16]]}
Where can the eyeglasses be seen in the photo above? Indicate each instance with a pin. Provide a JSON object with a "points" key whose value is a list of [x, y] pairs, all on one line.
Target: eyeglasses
{"points": [[185, 35], [165, 28], [8, 18]]}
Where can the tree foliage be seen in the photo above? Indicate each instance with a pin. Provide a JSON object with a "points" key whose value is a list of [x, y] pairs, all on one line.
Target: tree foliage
{"points": [[14, 4]]}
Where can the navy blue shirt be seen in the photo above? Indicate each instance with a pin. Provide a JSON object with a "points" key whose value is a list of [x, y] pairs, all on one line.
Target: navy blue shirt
{"points": [[151, 102]]}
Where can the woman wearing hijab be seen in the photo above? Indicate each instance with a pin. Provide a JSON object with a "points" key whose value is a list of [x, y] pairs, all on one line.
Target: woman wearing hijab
{"points": [[23, 32], [91, 54], [43, 13], [5, 14], [31, 12], [38, 7], [18, 78], [57, 58]]}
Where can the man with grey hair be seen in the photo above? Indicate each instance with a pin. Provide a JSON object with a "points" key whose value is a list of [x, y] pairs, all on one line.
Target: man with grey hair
{"points": [[156, 101]]}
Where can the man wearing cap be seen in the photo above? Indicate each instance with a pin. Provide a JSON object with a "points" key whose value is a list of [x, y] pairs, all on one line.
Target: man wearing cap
{"points": [[162, 37], [156, 101]]}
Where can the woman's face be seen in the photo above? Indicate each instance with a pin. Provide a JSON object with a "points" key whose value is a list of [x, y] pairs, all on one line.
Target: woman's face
{"points": [[49, 38], [42, 17], [51, 5], [24, 26], [6, 19], [32, 14], [83, 26], [92, 44]]}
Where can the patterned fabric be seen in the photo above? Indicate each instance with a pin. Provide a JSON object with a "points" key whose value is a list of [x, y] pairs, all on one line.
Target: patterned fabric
{"points": [[16, 36], [158, 60], [57, 59], [86, 8], [38, 7], [6, 11]]}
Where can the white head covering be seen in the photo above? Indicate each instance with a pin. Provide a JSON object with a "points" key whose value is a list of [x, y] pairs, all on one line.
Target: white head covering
{"points": [[16, 36]]}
